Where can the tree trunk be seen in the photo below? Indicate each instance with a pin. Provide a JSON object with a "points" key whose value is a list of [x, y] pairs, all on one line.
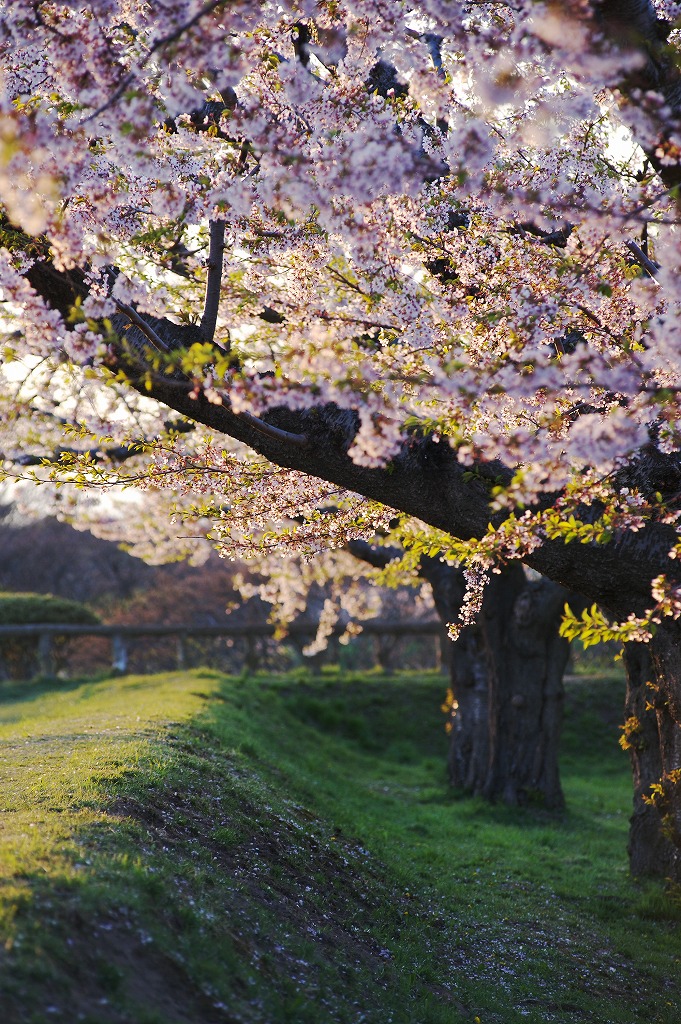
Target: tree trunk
{"points": [[506, 680], [652, 735], [469, 673], [507, 685], [527, 661], [469, 722]]}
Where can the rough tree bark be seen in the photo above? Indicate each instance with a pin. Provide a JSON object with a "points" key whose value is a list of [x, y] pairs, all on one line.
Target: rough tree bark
{"points": [[652, 735], [506, 675], [507, 685]]}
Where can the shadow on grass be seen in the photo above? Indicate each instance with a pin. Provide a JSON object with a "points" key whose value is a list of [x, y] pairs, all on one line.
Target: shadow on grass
{"points": [[13, 691], [223, 880], [195, 892]]}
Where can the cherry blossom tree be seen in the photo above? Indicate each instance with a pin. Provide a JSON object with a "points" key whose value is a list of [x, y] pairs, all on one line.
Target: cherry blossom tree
{"points": [[406, 262]]}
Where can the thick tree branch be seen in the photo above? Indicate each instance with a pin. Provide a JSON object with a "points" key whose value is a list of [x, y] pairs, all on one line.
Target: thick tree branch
{"points": [[425, 479], [213, 279]]}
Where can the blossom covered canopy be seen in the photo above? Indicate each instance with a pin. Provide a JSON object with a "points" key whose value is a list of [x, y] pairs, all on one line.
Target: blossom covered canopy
{"points": [[339, 230]]}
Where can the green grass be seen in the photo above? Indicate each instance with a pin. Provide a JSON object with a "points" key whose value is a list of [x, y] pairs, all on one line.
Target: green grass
{"points": [[192, 849]]}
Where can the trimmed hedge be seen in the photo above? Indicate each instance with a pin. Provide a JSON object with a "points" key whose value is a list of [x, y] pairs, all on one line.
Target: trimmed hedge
{"points": [[19, 655], [25, 609]]}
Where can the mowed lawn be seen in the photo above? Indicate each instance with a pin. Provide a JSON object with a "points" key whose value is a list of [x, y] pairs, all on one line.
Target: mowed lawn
{"points": [[189, 848]]}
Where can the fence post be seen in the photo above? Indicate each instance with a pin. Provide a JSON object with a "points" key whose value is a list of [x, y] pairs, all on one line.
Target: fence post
{"points": [[181, 652], [119, 654], [45, 659], [252, 657], [437, 642], [385, 648]]}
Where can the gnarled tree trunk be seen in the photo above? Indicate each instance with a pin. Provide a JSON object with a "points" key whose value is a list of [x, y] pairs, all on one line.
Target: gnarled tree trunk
{"points": [[527, 660], [507, 685], [506, 681]]}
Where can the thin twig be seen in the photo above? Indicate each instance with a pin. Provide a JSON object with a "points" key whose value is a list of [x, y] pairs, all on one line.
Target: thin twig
{"points": [[588, 313]]}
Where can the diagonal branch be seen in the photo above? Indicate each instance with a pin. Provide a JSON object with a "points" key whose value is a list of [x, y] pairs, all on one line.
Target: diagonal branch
{"points": [[146, 328], [644, 261]]}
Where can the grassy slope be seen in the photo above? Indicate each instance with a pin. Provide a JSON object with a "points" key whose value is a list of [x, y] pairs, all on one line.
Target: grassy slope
{"points": [[188, 848]]}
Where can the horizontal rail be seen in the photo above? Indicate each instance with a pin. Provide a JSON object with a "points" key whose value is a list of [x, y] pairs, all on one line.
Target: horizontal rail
{"points": [[374, 627]]}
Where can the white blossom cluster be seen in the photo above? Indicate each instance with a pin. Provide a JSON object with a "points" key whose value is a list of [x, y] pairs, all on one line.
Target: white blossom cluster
{"points": [[438, 201]]}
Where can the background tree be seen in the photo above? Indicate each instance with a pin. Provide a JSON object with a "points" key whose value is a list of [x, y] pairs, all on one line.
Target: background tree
{"points": [[425, 256]]}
